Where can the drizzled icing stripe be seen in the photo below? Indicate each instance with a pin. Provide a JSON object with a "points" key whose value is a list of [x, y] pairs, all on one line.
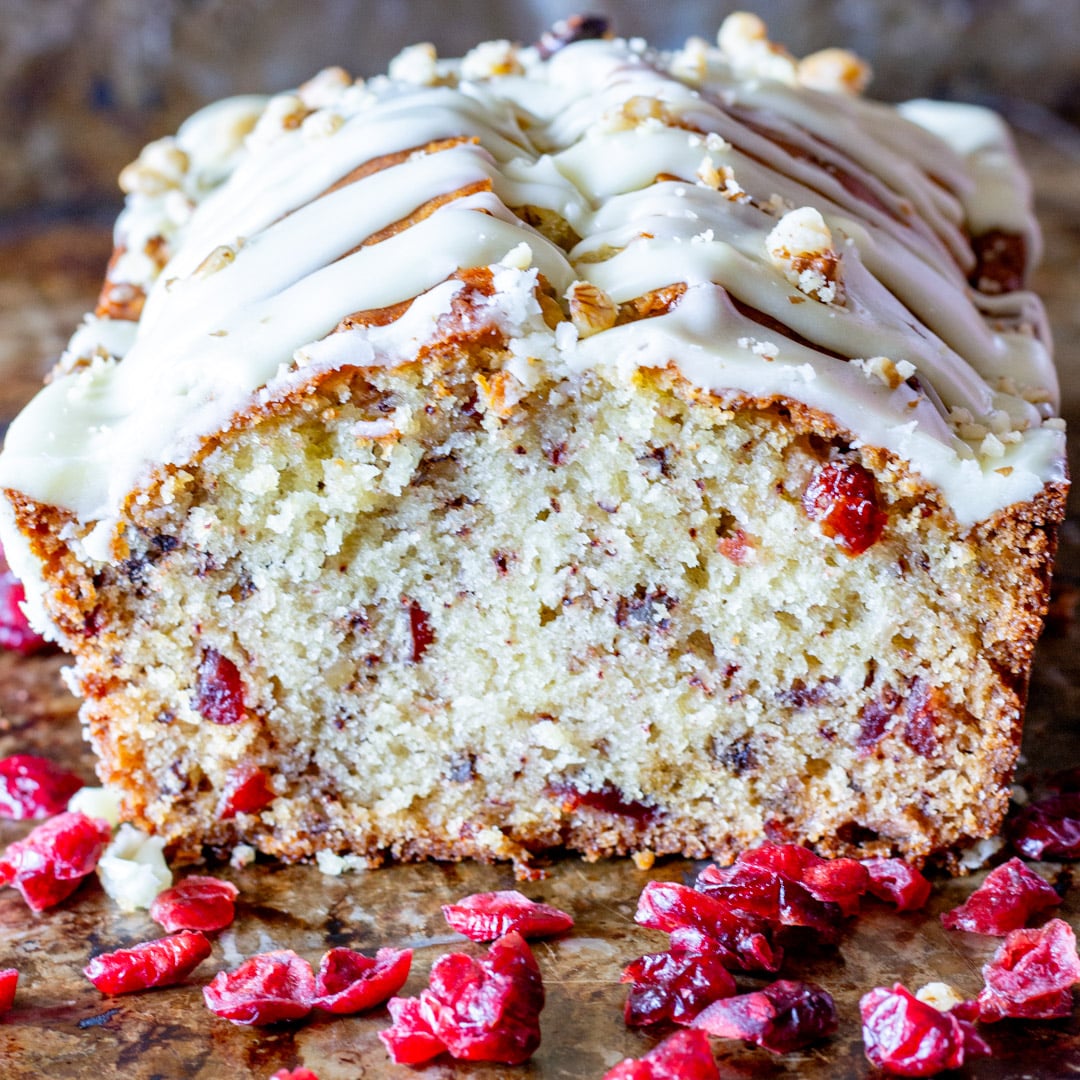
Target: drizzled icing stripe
{"points": [[664, 178]]}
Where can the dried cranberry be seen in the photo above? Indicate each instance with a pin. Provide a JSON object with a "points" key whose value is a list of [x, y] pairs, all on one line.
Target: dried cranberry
{"points": [[1032, 974], [606, 798], [686, 1055], [668, 906], [1047, 828], [299, 1073], [673, 986], [247, 791], [34, 787], [420, 631], [478, 1010], [786, 1015], [487, 916], [897, 882], [47, 865], [1004, 902], [411, 1040], [9, 979], [349, 982], [842, 498], [219, 691], [153, 963], [904, 1036], [16, 633], [196, 903], [832, 881], [266, 989]]}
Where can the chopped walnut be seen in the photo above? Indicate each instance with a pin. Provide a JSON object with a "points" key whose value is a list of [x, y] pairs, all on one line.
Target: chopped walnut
{"points": [[418, 64], [491, 59], [834, 70], [639, 111], [325, 88], [882, 368], [801, 245], [159, 167], [691, 63], [591, 309], [743, 39], [941, 995], [721, 179], [319, 124], [283, 112], [218, 259]]}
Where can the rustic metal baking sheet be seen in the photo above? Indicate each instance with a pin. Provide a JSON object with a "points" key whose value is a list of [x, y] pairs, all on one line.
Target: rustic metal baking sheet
{"points": [[61, 1027]]}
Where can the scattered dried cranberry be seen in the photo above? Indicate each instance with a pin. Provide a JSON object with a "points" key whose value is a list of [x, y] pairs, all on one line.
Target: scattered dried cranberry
{"points": [[673, 986], [153, 963], [832, 881], [9, 979], [897, 882], [1032, 974], [16, 633], [676, 909], [266, 989], [786, 1015], [423, 637], [247, 791], [477, 1010], [299, 1073], [487, 916], [686, 1055], [1048, 828], [219, 691], [196, 903], [349, 982], [904, 1036], [1004, 902], [47, 865], [842, 498], [34, 787]]}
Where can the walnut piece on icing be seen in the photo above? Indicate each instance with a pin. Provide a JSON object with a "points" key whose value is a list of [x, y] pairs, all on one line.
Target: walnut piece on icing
{"points": [[160, 167], [490, 60], [325, 88], [744, 40], [834, 70], [801, 245], [417, 64], [591, 309]]}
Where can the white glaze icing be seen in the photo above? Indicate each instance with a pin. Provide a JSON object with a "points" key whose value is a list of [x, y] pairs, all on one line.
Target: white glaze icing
{"points": [[263, 263]]}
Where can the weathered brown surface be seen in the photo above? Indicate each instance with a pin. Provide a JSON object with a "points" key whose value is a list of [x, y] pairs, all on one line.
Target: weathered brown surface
{"points": [[61, 1027]]}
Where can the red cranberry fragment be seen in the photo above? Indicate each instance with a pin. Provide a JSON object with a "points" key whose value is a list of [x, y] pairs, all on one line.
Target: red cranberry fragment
{"points": [[832, 881], [34, 787], [1032, 974], [47, 865], [16, 633], [487, 916], [842, 498], [247, 791], [196, 903], [420, 631], [904, 1036], [153, 963], [266, 989], [673, 986], [9, 978], [349, 982], [476, 1010], [1004, 902], [219, 691], [786, 1015], [606, 798], [686, 1055], [897, 882], [1048, 828], [740, 938], [299, 1073]]}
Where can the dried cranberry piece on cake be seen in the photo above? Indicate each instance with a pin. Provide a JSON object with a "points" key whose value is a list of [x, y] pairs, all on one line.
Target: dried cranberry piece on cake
{"points": [[47, 865], [487, 916], [247, 791], [34, 787], [1032, 974], [686, 1055], [349, 982], [9, 980], [196, 903], [163, 962], [1005, 901], [265, 989], [842, 498], [785, 1015], [673, 985], [299, 1073]]}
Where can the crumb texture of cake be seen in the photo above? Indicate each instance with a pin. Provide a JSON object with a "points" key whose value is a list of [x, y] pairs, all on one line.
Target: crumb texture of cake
{"points": [[569, 446]]}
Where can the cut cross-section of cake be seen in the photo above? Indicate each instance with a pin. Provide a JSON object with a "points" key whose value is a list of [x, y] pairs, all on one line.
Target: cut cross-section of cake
{"points": [[571, 446]]}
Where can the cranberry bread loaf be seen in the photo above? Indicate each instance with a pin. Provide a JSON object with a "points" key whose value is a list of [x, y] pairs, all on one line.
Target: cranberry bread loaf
{"points": [[571, 446]]}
